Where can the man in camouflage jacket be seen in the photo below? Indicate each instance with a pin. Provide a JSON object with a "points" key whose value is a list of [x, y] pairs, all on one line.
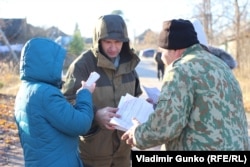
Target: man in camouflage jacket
{"points": [[200, 106]]}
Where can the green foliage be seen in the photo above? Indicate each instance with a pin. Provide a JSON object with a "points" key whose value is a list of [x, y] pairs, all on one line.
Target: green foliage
{"points": [[76, 46]]}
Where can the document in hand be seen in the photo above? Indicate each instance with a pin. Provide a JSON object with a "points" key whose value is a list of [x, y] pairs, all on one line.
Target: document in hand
{"points": [[131, 107], [152, 93]]}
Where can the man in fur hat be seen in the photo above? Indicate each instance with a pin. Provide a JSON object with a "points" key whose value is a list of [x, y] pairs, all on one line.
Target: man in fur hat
{"points": [[197, 108]]}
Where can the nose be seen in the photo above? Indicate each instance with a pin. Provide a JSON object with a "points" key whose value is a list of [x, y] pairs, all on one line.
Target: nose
{"points": [[112, 47]]}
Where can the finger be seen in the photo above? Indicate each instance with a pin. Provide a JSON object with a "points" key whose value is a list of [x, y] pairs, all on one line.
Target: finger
{"points": [[129, 141], [82, 82], [114, 110], [149, 100], [115, 115], [125, 136], [93, 85], [110, 126], [135, 121]]}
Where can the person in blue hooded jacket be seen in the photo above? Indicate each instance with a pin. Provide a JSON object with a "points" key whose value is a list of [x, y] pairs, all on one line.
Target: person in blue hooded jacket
{"points": [[48, 125]]}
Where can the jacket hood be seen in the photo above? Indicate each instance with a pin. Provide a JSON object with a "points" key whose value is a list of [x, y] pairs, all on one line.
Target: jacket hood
{"points": [[110, 27], [201, 35], [42, 61], [223, 55]]}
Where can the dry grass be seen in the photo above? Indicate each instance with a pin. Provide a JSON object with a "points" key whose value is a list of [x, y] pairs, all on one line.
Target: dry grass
{"points": [[9, 81], [244, 81]]}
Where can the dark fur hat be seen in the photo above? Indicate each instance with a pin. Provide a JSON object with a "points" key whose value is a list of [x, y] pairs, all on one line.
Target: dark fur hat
{"points": [[177, 34]]}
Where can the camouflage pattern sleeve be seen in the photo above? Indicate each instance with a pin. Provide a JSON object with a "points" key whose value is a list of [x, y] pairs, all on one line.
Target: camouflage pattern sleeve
{"points": [[170, 115], [200, 107]]}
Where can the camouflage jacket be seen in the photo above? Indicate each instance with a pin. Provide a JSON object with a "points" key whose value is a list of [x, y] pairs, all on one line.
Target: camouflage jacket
{"points": [[200, 107]]}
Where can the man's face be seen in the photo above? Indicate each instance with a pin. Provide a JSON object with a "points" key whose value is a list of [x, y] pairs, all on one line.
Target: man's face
{"points": [[111, 47]]}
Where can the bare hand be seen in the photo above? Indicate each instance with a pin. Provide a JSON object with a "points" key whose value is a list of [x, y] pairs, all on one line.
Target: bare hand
{"points": [[104, 115], [91, 88], [128, 136]]}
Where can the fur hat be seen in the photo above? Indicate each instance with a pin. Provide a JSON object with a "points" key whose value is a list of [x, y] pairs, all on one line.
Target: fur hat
{"points": [[177, 34]]}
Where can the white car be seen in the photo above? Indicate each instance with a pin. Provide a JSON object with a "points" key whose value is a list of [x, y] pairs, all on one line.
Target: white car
{"points": [[147, 53]]}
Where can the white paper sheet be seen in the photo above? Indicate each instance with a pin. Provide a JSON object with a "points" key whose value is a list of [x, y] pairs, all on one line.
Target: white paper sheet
{"points": [[131, 107], [152, 93]]}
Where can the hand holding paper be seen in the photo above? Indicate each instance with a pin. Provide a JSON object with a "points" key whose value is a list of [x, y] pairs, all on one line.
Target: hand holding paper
{"points": [[152, 93], [93, 77], [131, 107]]}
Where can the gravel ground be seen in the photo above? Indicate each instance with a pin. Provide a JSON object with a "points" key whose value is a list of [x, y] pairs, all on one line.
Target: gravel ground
{"points": [[10, 149]]}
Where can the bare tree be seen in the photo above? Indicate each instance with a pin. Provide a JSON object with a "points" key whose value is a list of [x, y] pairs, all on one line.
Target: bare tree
{"points": [[239, 28], [8, 45], [207, 19], [224, 22]]}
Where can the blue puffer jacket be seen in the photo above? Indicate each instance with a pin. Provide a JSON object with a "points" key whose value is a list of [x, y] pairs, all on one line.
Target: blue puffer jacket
{"points": [[48, 124]]}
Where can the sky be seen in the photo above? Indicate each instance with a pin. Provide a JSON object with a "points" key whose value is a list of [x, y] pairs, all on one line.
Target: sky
{"points": [[140, 15]]}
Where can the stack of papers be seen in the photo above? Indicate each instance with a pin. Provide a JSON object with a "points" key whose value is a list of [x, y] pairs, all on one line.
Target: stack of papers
{"points": [[131, 107]]}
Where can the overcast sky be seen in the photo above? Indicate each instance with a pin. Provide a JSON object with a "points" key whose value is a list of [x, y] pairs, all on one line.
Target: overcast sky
{"points": [[64, 14]]}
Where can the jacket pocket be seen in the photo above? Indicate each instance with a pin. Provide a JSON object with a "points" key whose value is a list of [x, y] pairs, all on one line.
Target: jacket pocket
{"points": [[97, 144]]}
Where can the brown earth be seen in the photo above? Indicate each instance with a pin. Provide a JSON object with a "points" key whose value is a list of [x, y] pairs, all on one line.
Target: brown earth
{"points": [[10, 150]]}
